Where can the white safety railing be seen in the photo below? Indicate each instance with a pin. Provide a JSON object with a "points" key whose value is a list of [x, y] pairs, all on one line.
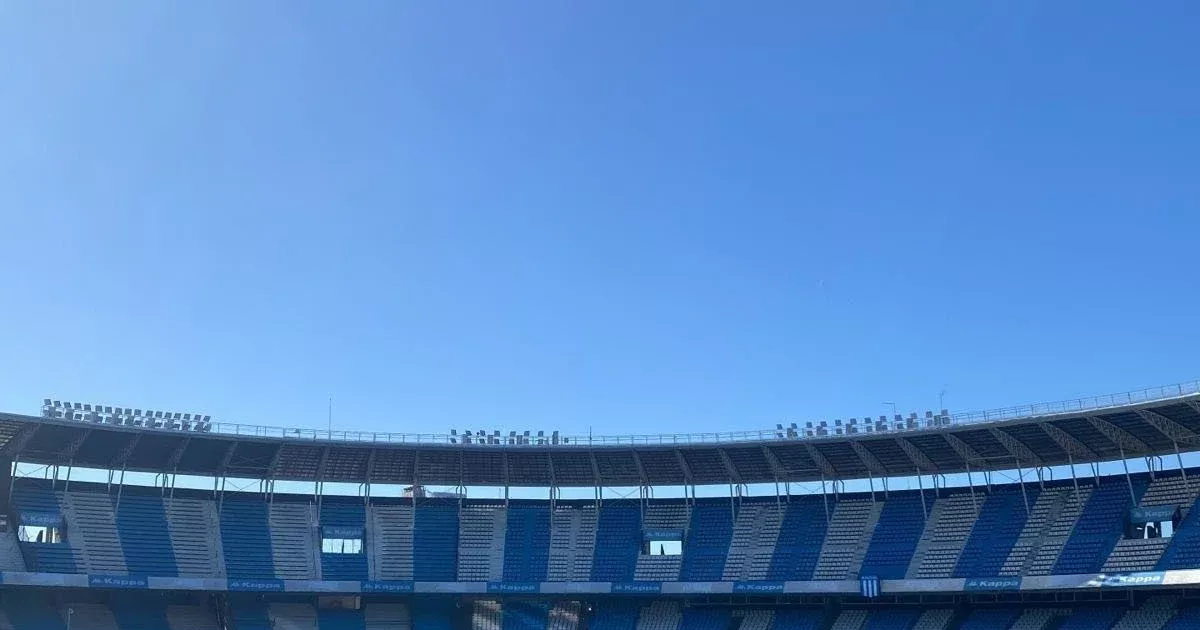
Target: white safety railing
{"points": [[1094, 403]]}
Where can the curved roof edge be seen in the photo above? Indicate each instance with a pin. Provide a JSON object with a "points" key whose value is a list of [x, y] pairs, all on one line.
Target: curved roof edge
{"points": [[1152, 422]]}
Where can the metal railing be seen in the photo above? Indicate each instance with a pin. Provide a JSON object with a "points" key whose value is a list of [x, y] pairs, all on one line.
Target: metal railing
{"points": [[1093, 403]]}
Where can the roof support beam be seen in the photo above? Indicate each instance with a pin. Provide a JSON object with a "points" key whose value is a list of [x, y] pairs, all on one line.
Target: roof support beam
{"points": [[822, 464], [687, 470], [1120, 436], [553, 478], [177, 453], [773, 462], [595, 468], [68, 451], [226, 458], [19, 441], [1067, 442], [637, 463], [917, 457], [734, 477], [868, 459], [273, 466], [123, 456], [1016, 448], [963, 449], [371, 465], [1173, 430], [323, 464]]}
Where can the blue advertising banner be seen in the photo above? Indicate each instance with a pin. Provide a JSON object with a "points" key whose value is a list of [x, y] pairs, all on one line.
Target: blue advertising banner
{"points": [[1008, 583], [117, 581], [513, 587], [1155, 514], [1144, 578], [273, 586], [339, 531], [636, 588], [758, 587], [385, 586], [662, 534], [40, 519]]}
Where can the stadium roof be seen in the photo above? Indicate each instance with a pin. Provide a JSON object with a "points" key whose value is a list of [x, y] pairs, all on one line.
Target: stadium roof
{"points": [[1161, 421]]}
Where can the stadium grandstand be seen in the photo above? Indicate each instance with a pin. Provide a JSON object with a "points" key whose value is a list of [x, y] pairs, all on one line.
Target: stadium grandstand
{"points": [[1072, 515]]}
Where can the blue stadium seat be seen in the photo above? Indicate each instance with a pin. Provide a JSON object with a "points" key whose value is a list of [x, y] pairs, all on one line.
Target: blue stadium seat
{"points": [[246, 543], [990, 619], [527, 544], [614, 615], [435, 543], [138, 612], [1100, 527], [704, 618], [708, 536], [344, 566], [518, 615], [799, 544], [248, 614], [798, 619], [35, 496], [618, 543], [1184, 549], [892, 619], [32, 612], [895, 537], [1186, 619], [340, 620], [1097, 618], [142, 528], [433, 615], [1002, 517]]}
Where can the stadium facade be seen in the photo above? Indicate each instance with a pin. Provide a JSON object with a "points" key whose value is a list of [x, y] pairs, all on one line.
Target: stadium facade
{"points": [[1077, 551]]}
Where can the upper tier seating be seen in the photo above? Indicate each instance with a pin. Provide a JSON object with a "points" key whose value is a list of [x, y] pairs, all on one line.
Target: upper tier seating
{"points": [[527, 544], [895, 538], [252, 536], [141, 522], [353, 516], [800, 537], [946, 532], [1002, 519], [481, 542], [1097, 532], [708, 536], [572, 544], [848, 536], [35, 496], [245, 538], [618, 543], [435, 542]]}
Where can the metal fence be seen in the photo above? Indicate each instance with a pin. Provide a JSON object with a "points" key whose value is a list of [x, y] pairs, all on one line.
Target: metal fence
{"points": [[1093, 403]]}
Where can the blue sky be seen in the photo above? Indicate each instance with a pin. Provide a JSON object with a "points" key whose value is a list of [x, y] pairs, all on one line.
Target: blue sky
{"points": [[634, 217]]}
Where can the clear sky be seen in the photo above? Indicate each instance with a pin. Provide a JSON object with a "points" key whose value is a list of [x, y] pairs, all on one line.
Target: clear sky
{"points": [[630, 216]]}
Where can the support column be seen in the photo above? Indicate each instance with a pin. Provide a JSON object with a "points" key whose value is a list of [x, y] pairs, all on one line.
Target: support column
{"points": [[921, 486], [1128, 481], [1021, 481]]}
